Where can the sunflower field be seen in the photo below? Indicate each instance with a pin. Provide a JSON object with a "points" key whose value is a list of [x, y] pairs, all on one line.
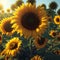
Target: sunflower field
{"points": [[30, 32]]}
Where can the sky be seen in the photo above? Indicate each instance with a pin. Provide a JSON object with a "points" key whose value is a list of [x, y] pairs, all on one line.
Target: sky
{"points": [[7, 3]]}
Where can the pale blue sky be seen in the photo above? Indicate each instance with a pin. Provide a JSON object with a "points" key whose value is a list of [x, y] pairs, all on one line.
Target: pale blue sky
{"points": [[7, 3]]}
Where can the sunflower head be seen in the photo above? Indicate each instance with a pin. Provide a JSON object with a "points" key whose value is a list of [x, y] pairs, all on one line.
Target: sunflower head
{"points": [[2, 11], [13, 6], [30, 19], [6, 26], [37, 57], [13, 46], [43, 5], [31, 1], [56, 52], [19, 2], [8, 10], [53, 33], [57, 20], [40, 42], [53, 5], [58, 12]]}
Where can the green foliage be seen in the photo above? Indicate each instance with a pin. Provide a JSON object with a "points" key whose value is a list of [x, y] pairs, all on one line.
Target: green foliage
{"points": [[58, 12]]}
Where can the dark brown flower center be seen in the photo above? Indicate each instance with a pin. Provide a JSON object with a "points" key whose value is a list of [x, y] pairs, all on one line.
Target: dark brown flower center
{"points": [[57, 52], [54, 34], [30, 21], [57, 20], [53, 5], [7, 27], [41, 41], [13, 46]]}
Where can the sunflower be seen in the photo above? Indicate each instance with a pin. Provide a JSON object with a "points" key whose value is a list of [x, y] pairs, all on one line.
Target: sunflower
{"points": [[31, 1], [19, 2], [57, 20], [53, 33], [13, 7], [37, 57], [2, 11], [57, 52], [6, 26], [8, 10], [53, 5], [12, 47], [30, 20], [40, 42], [43, 5]]}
